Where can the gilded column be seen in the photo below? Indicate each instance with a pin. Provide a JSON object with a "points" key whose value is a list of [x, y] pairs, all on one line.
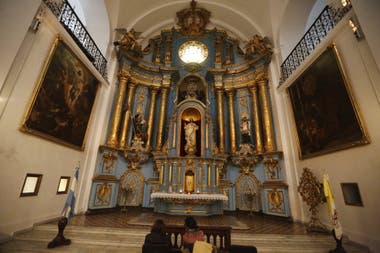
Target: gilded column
{"points": [[209, 176], [269, 143], [219, 95], [112, 137], [256, 119], [162, 118], [170, 173], [162, 173], [230, 94], [151, 117], [127, 115], [217, 176]]}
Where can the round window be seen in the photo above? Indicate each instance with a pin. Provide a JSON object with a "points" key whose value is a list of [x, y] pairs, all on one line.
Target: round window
{"points": [[193, 52]]}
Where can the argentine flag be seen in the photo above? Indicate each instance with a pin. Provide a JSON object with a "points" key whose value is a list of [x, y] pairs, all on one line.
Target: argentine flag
{"points": [[68, 208]]}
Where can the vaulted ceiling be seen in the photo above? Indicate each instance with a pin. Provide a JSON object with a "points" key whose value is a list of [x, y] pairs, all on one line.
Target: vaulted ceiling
{"points": [[240, 18]]}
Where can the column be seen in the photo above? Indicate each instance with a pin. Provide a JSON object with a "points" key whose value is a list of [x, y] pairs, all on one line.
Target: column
{"points": [[112, 137], [209, 176], [256, 119], [127, 115], [269, 143], [162, 167], [151, 118], [219, 96], [162, 118], [230, 94]]}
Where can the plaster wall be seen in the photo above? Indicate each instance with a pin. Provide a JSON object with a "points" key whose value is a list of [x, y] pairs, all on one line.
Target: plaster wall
{"points": [[15, 18]]}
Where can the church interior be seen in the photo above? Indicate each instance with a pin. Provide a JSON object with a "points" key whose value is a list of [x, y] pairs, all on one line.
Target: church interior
{"points": [[238, 113]]}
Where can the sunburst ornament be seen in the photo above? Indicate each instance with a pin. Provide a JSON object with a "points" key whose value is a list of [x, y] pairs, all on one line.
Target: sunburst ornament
{"points": [[193, 52]]}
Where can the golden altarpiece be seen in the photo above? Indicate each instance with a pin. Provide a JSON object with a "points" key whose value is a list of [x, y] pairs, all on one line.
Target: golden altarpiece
{"points": [[191, 130]]}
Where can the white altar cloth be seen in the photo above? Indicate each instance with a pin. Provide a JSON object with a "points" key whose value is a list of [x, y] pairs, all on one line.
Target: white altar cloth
{"points": [[185, 196]]}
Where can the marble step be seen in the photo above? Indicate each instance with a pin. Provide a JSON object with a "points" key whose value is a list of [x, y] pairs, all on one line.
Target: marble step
{"points": [[115, 240]]}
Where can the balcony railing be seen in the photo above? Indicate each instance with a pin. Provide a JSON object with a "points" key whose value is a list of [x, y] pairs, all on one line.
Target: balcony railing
{"points": [[70, 21], [325, 22]]}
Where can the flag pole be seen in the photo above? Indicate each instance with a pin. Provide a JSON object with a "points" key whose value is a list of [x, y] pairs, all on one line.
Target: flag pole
{"points": [[66, 214], [337, 231]]}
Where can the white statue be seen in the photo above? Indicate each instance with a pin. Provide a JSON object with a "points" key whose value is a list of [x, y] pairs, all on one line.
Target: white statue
{"points": [[190, 136]]}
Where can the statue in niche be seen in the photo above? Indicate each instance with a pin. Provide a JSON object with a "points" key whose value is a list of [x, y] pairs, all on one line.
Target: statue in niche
{"points": [[139, 127], [245, 128], [191, 89], [190, 137]]}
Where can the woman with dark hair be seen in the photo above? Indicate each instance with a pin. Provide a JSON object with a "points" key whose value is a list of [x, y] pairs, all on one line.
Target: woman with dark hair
{"points": [[157, 241], [192, 233]]}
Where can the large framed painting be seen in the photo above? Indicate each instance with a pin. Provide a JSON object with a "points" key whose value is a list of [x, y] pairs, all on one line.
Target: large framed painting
{"points": [[325, 113], [61, 104]]}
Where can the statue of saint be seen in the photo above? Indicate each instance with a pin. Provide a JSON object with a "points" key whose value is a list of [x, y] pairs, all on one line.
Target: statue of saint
{"points": [[191, 89], [190, 136], [245, 127]]}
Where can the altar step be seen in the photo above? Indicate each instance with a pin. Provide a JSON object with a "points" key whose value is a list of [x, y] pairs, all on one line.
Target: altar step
{"points": [[118, 240]]}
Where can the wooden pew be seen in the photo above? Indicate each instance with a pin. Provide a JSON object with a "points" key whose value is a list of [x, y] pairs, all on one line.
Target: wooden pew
{"points": [[220, 236]]}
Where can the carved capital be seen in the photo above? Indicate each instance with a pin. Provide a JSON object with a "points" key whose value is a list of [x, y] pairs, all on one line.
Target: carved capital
{"points": [[124, 75]]}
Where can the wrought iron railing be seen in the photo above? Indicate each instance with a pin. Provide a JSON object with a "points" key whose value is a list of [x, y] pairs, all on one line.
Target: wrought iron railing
{"points": [[70, 21], [325, 22]]}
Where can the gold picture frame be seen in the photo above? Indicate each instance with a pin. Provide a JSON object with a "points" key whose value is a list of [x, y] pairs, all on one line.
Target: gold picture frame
{"points": [[325, 113], [61, 105]]}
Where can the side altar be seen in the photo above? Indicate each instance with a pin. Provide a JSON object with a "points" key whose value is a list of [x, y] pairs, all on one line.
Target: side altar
{"points": [[191, 129]]}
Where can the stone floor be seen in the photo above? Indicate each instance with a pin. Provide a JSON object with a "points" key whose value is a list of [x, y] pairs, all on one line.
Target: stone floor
{"points": [[112, 232]]}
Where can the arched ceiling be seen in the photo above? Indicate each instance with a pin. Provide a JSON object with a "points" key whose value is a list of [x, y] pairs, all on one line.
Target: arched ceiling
{"points": [[240, 18]]}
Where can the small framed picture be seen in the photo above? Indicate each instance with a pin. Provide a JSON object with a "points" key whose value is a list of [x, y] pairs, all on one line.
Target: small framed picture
{"points": [[31, 185], [63, 185], [351, 194]]}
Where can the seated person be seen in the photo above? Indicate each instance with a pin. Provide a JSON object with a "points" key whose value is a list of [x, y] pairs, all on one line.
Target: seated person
{"points": [[192, 234], [157, 240]]}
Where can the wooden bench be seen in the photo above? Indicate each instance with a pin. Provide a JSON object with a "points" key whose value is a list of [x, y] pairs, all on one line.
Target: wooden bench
{"points": [[220, 236]]}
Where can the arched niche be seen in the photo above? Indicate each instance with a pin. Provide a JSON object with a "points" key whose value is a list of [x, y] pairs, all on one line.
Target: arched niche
{"points": [[192, 87], [248, 193], [191, 132]]}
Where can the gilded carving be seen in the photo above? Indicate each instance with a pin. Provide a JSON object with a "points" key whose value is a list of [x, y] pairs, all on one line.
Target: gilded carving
{"points": [[272, 168], [311, 192], [131, 188], [103, 194], [275, 201], [248, 192], [257, 45], [108, 162], [193, 20], [129, 42]]}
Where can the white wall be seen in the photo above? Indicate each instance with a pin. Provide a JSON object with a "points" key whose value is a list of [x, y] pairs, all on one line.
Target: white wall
{"points": [[15, 18], [22, 153], [359, 164]]}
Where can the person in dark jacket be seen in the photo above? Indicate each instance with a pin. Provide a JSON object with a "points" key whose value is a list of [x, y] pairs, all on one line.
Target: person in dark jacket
{"points": [[157, 240], [157, 234]]}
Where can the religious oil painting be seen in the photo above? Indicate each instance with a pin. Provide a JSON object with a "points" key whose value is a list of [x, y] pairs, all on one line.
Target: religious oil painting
{"points": [[325, 113], [61, 105]]}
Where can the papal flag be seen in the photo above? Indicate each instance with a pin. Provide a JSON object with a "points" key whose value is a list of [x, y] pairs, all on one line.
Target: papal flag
{"points": [[331, 206], [68, 208]]}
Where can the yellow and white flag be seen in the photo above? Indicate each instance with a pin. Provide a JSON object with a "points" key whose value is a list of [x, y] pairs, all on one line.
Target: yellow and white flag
{"points": [[331, 206]]}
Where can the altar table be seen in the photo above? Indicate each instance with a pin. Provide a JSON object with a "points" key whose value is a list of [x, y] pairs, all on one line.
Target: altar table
{"points": [[183, 203]]}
